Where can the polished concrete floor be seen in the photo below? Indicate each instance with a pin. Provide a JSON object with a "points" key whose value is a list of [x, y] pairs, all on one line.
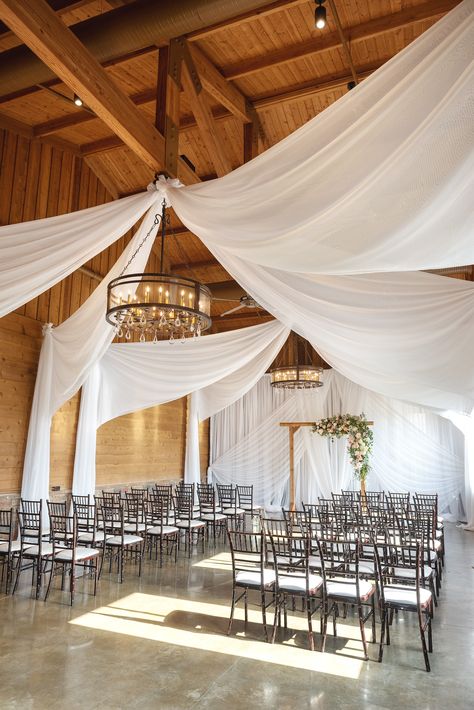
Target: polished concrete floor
{"points": [[159, 642]]}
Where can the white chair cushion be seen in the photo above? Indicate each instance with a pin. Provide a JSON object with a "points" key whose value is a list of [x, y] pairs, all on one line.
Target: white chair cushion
{"points": [[127, 540], [411, 573], [213, 516], [167, 530], [406, 597], [365, 567], [194, 523], [247, 506], [209, 509], [340, 589], [15, 547], [314, 561], [253, 579], [33, 550], [89, 537], [133, 527], [290, 583], [233, 511], [82, 553]]}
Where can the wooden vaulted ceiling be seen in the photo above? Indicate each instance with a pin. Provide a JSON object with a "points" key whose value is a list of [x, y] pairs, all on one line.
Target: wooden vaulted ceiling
{"points": [[263, 75]]}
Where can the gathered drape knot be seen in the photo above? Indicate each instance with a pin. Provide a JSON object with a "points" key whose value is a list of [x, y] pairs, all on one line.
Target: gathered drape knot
{"points": [[162, 185], [47, 328]]}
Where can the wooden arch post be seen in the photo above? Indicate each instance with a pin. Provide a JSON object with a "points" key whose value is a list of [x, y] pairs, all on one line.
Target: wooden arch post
{"points": [[292, 429]]}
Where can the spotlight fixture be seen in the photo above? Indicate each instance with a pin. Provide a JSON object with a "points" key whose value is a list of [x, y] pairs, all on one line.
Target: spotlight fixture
{"points": [[77, 100], [351, 85], [320, 15]]}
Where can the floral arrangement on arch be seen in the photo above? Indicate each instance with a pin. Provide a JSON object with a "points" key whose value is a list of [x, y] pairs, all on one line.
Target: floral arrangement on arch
{"points": [[360, 438]]}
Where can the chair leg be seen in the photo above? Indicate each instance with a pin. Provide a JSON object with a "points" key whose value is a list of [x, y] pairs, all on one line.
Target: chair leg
{"points": [[362, 631], [72, 582], [232, 608], [310, 624], [374, 628], [18, 572], [50, 580], [264, 616], [324, 624], [383, 614]]}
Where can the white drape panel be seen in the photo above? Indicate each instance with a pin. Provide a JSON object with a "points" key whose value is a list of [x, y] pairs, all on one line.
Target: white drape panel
{"points": [[83, 480], [135, 376], [465, 425], [67, 355], [415, 449], [36, 255], [379, 181], [140, 375]]}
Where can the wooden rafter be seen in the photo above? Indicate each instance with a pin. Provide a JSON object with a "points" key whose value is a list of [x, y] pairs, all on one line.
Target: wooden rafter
{"points": [[202, 111], [332, 40], [39, 27], [168, 94]]}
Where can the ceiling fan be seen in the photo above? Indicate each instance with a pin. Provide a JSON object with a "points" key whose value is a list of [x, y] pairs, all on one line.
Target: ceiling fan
{"points": [[245, 301]]}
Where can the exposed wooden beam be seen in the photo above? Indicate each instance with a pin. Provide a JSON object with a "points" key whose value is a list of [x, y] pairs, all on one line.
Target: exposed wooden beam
{"points": [[324, 42], [39, 27], [23, 129], [251, 138], [244, 18], [201, 109], [217, 86], [343, 38], [168, 94], [205, 264]]}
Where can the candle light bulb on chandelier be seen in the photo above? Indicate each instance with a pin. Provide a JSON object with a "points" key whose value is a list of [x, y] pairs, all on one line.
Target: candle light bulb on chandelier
{"points": [[320, 15]]}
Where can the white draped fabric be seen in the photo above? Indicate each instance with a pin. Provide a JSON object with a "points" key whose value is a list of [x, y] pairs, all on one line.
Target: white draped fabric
{"points": [[135, 376], [414, 448], [67, 355], [36, 255], [379, 181]]}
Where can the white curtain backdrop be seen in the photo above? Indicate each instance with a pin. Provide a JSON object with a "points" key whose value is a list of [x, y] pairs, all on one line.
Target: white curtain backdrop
{"points": [[135, 376], [415, 449], [36, 255]]}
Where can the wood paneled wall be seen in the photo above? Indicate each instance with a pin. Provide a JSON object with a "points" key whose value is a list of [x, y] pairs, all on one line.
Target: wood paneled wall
{"points": [[38, 180]]}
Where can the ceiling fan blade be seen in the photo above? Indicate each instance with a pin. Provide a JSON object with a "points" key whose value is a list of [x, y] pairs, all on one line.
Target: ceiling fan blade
{"points": [[232, 310], [227, 300]]}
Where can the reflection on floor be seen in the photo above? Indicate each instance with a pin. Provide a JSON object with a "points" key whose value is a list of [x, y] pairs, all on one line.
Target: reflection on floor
{"points": [[159, 642]]}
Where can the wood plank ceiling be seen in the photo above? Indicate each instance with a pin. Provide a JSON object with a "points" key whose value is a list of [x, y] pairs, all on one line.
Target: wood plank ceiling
{"points": [[264, 74]]}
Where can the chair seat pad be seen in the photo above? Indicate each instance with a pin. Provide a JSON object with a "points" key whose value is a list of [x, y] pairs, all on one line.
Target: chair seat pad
{"points": [[406, 597], [82, 553], [210, 509], [15, 547], [314, 561], [233, 511], [348, 590], [436, 545], [134, 527], [90, 537], [410, 573], [293, 583], [253, 579], [365, 567], [167, 530], [194, 523], [33, 550], [247, 506], [213, 516], [127, 540]]}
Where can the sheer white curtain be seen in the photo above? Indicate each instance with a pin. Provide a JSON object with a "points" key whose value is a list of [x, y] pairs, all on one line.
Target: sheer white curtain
{"points": [[135, 376], [67, 355], [36, 255], [415, 449]]}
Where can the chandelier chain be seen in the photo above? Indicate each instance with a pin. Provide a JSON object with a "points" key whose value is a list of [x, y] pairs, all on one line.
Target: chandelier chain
{"points": [[156, 222]]}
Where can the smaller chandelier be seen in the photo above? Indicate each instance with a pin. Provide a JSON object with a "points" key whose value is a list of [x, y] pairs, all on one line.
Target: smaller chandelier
{"points": [[296, 375], [157, 306]]}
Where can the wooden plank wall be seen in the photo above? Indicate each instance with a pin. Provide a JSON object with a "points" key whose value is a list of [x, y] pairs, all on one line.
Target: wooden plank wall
{"points": [[37, 180]]}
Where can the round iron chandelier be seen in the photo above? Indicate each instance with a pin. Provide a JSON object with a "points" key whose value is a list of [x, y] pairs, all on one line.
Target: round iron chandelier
{"points": [[157, 306], [300, 373]]}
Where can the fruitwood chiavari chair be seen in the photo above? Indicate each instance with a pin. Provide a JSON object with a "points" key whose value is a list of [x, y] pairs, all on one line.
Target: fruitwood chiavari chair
{"points": [[158, 533], [228, 503], [68, 556], [210, 511], [250, 573], [191, 527], [34, 550], [88, 531], [8, 545], [118, 543], [402, 587]]}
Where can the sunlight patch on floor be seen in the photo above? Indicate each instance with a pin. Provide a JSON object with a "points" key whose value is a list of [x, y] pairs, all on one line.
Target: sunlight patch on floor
{"points": [[221, 561], [202, 626]]}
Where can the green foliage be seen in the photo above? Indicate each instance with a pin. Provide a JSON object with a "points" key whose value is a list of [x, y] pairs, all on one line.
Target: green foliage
{"points": [[360, 438]]}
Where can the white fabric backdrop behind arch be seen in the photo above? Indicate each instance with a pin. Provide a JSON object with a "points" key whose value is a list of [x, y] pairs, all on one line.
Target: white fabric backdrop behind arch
{"points": [[414, 448], [134, 376], [36, 255]]}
